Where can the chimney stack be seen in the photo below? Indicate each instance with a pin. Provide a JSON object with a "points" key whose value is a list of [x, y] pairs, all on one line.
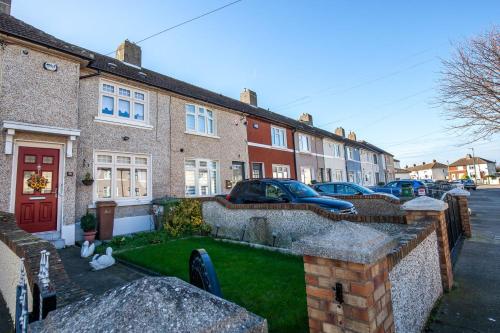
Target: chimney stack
{"points": [[306, 118], [340, 131], [5, 6], [129, 52], [352, 136], [249, 96]]}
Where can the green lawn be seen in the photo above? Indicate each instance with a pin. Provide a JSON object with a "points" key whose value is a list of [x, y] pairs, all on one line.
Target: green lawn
{"points": [[267, 283]]}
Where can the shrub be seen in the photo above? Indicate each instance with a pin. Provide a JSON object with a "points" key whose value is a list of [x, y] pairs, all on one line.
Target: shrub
{"points": [[88, 222], [185, 218]]}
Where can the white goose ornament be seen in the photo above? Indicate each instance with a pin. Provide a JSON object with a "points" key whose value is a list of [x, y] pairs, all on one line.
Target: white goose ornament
{"points": [[102, 261], [87, 250]]}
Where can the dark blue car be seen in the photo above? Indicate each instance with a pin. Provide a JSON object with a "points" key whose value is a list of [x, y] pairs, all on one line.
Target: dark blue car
{"points": [[285, 191], [395, 187]]}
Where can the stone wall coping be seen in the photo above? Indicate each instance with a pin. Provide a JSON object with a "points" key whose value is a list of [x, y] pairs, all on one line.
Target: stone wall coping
{"points": [[347, 241], [375, 196], [401, 219], [425, 203], [167, 304], [458, 192]]}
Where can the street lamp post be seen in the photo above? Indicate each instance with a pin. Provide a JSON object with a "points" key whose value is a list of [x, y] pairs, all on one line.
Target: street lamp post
{"points": [[474, 163]]}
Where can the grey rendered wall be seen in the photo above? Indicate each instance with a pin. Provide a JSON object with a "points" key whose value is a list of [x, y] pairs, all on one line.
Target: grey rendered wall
{"points": [[100, 136], [31, 94], [229, 146], [416, 286]]}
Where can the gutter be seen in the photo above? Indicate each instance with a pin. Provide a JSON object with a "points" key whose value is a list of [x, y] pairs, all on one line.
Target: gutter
{"points": [[90, 75]]}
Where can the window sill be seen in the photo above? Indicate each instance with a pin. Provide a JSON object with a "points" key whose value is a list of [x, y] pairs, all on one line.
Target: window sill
{"points": [[126, 202], [120, 122], [204, 135]]}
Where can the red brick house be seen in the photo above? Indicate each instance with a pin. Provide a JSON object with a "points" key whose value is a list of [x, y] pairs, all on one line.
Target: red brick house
{"points": [[270, 144]]}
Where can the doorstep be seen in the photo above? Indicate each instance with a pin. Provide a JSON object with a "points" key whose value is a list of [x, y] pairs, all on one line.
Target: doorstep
{"points": [[53, 237]]}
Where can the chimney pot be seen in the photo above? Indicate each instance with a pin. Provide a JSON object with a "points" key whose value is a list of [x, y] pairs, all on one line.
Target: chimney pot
{"points": [[5, 6], [306, 118], [414, 164], [249, 96], [434, 161], [423, 163], [129, 52], [340, 131]]}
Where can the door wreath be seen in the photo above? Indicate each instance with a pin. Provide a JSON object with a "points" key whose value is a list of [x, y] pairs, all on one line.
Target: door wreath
{"points": [[37, 182]]}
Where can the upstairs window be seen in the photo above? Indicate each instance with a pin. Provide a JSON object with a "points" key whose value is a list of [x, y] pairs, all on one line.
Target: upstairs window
{"points": [[304, 143], [278, 137], [336, 150], [199, 120], [122, 103]]}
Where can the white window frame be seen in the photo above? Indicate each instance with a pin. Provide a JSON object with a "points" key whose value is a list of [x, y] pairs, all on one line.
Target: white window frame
{"points": [[280, 131], [123, 201], [302, 174], [196, 115], [115, 118], [307, 139], [196, 169], [263, 169], [283, 166], [336, 150]]}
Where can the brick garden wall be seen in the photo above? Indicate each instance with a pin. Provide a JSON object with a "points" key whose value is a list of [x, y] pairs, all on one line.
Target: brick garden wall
{"points": [[28, 246]]}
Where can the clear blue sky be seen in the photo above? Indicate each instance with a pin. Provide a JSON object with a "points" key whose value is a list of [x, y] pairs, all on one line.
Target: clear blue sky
{"points": [[369, 66]]}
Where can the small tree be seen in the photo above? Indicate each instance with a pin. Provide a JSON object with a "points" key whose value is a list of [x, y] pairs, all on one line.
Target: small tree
{"points": [[470, 86]]}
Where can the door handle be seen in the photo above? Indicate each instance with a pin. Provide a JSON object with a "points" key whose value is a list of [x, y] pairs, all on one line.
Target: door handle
{"points": [[56, 192]]}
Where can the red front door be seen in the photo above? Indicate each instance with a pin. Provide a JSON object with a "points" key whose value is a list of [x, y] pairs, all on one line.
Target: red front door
{"points": [[36, 211]]}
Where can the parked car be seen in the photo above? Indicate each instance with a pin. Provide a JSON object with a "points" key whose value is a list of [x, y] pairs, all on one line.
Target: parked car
{"points": [[395, 187], [469, 184], [272, 190], [457, 184], [339, 189]]}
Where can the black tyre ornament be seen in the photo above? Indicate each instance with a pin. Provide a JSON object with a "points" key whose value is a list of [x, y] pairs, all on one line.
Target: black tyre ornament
{"points": [[202, 272]]}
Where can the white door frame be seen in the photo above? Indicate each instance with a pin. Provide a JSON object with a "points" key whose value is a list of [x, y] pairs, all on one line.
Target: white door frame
{"points": [[60, 186]]}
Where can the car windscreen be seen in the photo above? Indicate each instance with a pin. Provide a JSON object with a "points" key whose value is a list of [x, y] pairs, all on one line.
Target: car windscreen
{"points": [[362, 189], [300, 190]]}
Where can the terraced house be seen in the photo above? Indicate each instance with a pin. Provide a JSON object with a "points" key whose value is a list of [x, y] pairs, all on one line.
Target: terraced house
{"points": [[99, 128]]}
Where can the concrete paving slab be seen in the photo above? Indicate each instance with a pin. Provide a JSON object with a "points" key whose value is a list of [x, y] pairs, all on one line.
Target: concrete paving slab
{"points": [[96, 282]]}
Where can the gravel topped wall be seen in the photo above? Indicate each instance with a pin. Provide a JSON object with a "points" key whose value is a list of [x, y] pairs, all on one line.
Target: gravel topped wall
{"points": [[416, 286]]}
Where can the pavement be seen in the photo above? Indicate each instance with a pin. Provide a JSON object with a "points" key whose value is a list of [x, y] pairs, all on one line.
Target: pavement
{"points": [[96, 282], [474, 303]]}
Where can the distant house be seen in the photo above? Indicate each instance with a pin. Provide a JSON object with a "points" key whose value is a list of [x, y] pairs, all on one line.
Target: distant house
{"points": [[477, 168], [433, 170]]}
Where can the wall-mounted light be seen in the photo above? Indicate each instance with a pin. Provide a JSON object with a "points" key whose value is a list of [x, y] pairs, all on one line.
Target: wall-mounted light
{"points": [[181, 150], [125, 138], [50, 66]]}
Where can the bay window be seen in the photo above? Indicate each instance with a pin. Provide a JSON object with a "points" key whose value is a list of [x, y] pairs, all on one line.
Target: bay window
{"points": [[281, 171], [200, 120], [201, 177], [122, 176], [122, 103]]}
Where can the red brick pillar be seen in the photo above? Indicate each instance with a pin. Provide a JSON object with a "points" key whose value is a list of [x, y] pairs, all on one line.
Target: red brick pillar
{"points": [[429, 209], [463, 207], [355, 258], [366, 293]]}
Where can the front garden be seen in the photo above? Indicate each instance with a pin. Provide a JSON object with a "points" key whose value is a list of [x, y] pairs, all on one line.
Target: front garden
{"points": [[267, 283]]}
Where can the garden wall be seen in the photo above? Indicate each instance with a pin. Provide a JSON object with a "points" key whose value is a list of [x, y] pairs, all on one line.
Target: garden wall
{"points": [[416, 286], [375, 205], [256, 223], [15, 244]]}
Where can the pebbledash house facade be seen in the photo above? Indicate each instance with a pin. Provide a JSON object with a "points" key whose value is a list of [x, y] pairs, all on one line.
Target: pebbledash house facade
{"points": [[69, 114]]}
